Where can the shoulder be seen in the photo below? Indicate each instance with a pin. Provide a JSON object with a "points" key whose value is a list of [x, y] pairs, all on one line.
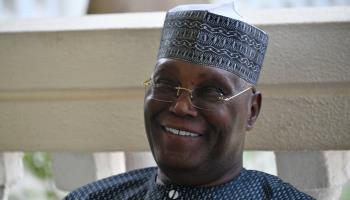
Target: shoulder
{"points": [[123, 185], [274, 187]]}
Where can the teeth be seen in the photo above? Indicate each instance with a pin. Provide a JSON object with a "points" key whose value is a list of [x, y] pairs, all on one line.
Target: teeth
{"points": [[180, 132]]}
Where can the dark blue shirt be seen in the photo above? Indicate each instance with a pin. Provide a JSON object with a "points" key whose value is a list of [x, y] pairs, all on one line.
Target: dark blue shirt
{"points": [[140, 184]]}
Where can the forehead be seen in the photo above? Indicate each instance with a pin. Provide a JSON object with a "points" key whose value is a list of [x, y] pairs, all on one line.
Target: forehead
{"points": [[197, 73]]}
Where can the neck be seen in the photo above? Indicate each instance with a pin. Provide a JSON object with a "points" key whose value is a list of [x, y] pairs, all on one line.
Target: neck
{"points": [[197, 179]]}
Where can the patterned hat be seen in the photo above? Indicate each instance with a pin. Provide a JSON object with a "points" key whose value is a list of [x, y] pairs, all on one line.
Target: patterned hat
{"points": [[214, 36]]}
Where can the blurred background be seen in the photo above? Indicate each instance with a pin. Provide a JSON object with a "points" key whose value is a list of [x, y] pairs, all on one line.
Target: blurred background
{"points": [[60, 8], [37, 179]]}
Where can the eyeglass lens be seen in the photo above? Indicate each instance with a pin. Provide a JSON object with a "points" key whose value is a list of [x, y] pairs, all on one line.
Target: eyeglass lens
{"points": [[200, 98]]}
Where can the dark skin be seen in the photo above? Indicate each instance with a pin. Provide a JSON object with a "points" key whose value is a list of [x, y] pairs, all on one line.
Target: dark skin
{"points": [[215, 156]]}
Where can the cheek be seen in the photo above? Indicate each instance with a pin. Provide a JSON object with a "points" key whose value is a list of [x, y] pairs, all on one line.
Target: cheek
{"points": [[152, 109], [229, 123], [222, 119], [146, 111], [149, 109]]}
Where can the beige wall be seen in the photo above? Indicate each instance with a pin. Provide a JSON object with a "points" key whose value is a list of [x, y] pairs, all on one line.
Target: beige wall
{"points": [[75, 84], [113, 6]]}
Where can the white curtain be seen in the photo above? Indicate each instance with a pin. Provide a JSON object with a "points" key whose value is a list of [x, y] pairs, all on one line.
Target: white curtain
{"points": [[60, 8], [41, 8]]}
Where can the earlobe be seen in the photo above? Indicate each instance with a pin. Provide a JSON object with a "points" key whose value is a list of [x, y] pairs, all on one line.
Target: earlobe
{"points": [[255, 106]]}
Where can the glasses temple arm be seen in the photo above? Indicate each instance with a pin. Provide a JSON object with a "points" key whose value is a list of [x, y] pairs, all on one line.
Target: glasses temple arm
{"points": [[229, 98]]}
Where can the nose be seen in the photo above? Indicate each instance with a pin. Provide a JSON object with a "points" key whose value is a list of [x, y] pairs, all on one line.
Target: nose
{"points": [[183, 106]]}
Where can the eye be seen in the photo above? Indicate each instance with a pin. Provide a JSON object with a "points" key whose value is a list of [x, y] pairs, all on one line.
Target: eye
{"points": [[164, 86], [209, 93], [164, 83]]}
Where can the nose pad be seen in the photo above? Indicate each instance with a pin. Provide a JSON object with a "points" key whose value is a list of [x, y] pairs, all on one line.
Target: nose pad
{"points": [[183, 104], [182, 88]]}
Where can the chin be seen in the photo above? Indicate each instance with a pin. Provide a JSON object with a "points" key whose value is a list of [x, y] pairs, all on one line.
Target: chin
{"points": [[177, 161]]}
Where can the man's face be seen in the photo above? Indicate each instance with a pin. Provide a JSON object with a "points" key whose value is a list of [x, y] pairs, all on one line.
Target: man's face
{"points": [[219, 134]]}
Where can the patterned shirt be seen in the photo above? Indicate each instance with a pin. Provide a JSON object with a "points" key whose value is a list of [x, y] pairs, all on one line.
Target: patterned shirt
{"points": [[140, 184]]}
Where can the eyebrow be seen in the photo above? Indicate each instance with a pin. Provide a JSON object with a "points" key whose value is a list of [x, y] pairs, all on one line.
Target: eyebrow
{"points": [[160, 68], [167, 63], [222, 81]]}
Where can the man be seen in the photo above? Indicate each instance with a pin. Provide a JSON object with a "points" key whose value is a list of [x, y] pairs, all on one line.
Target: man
{"points": [[200, 101]]}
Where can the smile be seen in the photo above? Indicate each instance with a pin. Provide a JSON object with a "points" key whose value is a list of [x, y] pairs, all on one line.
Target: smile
{"points": [[181, 132]]}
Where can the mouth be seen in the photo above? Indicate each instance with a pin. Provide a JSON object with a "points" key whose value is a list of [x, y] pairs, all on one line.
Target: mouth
{"points": [[179, 132]]}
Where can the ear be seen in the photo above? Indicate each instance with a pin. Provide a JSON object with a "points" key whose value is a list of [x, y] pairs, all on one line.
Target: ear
{"points": [[255, 106]]}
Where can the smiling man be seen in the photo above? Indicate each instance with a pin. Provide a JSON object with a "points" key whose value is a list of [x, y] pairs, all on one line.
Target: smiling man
{"points": [[199, 103], [197, 132]]}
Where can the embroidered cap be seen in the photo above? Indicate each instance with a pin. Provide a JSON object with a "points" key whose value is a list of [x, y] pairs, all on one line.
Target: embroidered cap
{"points": [[215, 36]]}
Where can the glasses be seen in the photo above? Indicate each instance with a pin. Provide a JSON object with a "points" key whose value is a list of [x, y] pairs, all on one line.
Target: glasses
{"points": [[205, 98]]}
